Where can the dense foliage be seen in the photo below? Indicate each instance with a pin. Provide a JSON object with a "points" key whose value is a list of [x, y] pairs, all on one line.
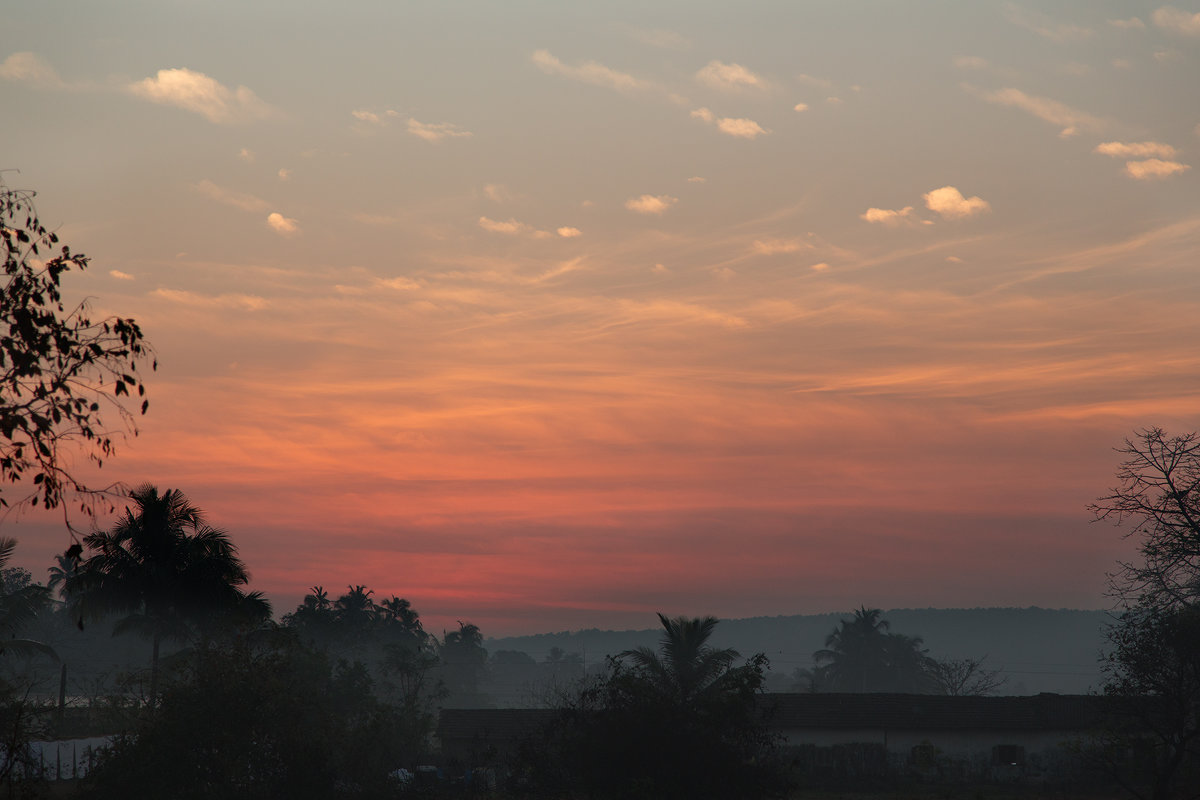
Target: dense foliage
{"points": [[274, 721]]}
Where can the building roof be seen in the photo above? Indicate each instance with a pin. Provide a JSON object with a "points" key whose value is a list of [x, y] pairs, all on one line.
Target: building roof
{"points": [[932, 712]]}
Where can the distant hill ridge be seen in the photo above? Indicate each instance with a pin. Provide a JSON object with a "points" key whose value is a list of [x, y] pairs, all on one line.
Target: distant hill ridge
{"points": [[1039, 649]]}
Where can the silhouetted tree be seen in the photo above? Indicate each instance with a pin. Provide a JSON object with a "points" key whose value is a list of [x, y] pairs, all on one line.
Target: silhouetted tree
{"points": [[464, 661], [20, 602], [167, 573], [685, 723], [685, 666], [1159, 495], [961, 677], [258, 723], [1153, 668], [1151, 741], [58, 368], [861, 655]]}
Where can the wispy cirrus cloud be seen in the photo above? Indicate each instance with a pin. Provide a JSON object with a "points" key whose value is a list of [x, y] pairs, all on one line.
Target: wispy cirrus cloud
{"points": [[436, 131], [1131, 24], [245, 302], [770, 247], [1071, 120], [26, 67], [1154, 169], [891, 217], [729, 77], [1136, 150], [246, 202], [591, 72], [1044, 26], [196, 92], [1177, 21]]}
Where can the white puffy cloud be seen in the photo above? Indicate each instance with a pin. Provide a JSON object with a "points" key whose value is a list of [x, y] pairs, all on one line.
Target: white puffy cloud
{"points": [[651, 204], [436, 131], [25, 67], [121, 276], [741, 128], [729, 77], [284, 226], [284, 174], [950, 203], [1133, 23], [887, 216], [247, 155], [1177, 21], [800, 107], [834, 101], [704, 114], [246, 202], [568, 232], [820, 266], [697, 179], [498, 193], [1136, 149], [197, 92], [510, 227], [589, 72], [1071, 120], [1154, 169]]}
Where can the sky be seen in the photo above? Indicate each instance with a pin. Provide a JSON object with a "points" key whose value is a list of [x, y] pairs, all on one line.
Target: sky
{"points": [[550, 316]]}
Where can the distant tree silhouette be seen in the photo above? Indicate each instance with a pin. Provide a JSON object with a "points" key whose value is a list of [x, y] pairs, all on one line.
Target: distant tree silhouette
{"points": [[861, 655], [166, 573], [463, 660], [58, 368], [961, 677], [20, 602]]}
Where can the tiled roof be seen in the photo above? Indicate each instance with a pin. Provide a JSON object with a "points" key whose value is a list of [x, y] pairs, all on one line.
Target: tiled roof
{"points": [[932, 712]]}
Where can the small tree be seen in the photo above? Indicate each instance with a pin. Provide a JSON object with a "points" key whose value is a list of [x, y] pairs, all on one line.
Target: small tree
{"points": [[59, 369]]}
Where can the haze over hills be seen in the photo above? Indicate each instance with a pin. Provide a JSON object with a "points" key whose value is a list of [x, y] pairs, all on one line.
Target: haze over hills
{"points": [[1038, 649]]}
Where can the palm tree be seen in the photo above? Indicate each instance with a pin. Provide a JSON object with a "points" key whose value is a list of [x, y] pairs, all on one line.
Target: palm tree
{"points": [[685, 666], [861, 655], [167, 571]]}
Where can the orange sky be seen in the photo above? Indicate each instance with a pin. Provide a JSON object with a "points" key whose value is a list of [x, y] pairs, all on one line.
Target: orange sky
{"points": [[553, 317]]}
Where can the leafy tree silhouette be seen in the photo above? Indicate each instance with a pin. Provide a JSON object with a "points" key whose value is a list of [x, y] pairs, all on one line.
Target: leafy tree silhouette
{"points": [[58, 367]]}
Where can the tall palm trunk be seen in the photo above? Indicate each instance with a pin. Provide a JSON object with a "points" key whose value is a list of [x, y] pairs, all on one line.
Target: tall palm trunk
{"points": [[154, 669]]}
